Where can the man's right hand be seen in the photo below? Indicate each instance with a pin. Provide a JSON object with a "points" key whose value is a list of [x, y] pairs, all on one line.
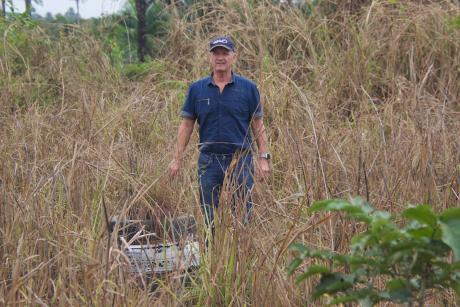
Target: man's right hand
{"points": [[174, 168]]}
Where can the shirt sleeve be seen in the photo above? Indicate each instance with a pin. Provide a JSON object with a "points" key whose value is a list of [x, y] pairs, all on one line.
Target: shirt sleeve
{"points": [[188, 110], [255, 105]]}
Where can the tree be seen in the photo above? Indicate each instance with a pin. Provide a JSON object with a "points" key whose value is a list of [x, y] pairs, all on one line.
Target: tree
{"points": [[49, 16], [141, 10], [70, 15], [4, 8], [78, 10], [29, 6], [59, 18]]}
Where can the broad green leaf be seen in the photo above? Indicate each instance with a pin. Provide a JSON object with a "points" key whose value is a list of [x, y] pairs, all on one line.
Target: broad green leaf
{"points": [[455, 266], [422, 214], [415, 282], [354, 210], [365, 295], [322, 254], [400, 295], [313, 270], [364, 205], [298, 247], [398, 289], [450, 214], [455, 276], [359, 242], [345, 299], [450, 226], [359, 275], [382, 215], [294, 265], [405, 245], [456, 287], [360, 260], [366, 302], [332, 204], [437, 235], [384, 295], [441, 272], [426, 232], [438, 247], [330, 284], [389, 234], [362, 217], [441, 264], [341, 260], [383, 227]]}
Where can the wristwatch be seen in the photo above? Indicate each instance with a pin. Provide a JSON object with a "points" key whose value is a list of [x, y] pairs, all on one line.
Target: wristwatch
{"points": [[265, 155]]}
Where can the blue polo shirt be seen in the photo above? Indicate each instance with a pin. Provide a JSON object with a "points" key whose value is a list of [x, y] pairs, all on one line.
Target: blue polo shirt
{"points": [[224, 118]]}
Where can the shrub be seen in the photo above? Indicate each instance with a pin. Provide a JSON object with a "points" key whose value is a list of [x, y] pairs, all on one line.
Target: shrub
{"points": [[409, 260]]}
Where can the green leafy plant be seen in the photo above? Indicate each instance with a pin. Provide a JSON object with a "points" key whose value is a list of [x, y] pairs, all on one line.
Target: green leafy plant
{"points": [[407, 260]]}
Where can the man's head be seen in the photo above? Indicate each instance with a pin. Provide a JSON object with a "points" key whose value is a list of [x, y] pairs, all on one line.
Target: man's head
{"points": [[222, 54]]}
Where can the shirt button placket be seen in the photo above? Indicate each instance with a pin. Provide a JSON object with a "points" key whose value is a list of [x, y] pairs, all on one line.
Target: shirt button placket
{"points": [[219, 114]]}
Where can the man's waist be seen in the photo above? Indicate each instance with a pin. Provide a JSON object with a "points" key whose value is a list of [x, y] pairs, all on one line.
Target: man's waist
{"points": [[224, 148]]}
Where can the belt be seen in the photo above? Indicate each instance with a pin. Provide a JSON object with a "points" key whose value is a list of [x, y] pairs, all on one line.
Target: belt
{"points": [[245, 151]]}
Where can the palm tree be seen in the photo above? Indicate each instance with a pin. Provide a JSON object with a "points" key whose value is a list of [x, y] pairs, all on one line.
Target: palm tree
{"points": [[141, 9], [29, 6], [78, 10], [4, 8]]}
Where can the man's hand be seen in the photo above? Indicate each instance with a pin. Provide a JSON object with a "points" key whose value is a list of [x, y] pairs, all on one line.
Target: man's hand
{"points": [[263, 169], [174, 168]]}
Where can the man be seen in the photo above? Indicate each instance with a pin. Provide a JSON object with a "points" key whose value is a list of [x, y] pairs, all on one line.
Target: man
{"points": [[226, 106]]}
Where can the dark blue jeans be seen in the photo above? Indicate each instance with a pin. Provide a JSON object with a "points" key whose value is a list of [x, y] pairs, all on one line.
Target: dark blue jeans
{"points": [[213, 169]]}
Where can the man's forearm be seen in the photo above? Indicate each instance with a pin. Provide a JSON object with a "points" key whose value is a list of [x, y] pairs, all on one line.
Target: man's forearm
{"points": [[183, 137], [258, 129]]}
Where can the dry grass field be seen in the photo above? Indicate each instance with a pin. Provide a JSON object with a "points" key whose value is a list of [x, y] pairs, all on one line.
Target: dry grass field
{"points": [[365, 102]]}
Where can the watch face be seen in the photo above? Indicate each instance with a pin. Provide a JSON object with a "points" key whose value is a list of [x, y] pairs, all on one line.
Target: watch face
{"points": [[265, 156]]}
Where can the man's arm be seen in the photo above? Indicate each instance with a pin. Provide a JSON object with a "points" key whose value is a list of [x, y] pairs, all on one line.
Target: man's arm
{"points": [[258, 129], [183, 137]]}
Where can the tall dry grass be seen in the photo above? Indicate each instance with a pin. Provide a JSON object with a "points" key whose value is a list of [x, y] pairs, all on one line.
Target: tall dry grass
{"points": [[362, 102]]}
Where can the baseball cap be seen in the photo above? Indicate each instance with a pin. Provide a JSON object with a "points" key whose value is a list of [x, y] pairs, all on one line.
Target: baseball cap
{"points": [[222, 41]]}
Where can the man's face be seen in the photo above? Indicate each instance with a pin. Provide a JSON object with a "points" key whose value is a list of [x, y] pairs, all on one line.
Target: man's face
{"points": [[222, 59]]}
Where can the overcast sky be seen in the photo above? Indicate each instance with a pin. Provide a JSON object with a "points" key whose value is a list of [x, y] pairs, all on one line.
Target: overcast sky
{"points": [[88, 8]]}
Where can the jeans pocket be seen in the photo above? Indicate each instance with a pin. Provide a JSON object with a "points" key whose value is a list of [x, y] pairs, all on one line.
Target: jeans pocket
{"points": [[204, 161]]}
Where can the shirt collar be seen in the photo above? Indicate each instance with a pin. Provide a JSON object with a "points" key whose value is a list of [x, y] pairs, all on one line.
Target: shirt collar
{"points": [[211, 80]]}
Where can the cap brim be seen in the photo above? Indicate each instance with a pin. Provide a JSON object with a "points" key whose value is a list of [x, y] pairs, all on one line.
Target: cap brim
{"points": [[223, 46]]}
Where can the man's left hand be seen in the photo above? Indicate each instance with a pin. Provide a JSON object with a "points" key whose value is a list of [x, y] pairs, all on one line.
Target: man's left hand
{"points": [[263, 169]]}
